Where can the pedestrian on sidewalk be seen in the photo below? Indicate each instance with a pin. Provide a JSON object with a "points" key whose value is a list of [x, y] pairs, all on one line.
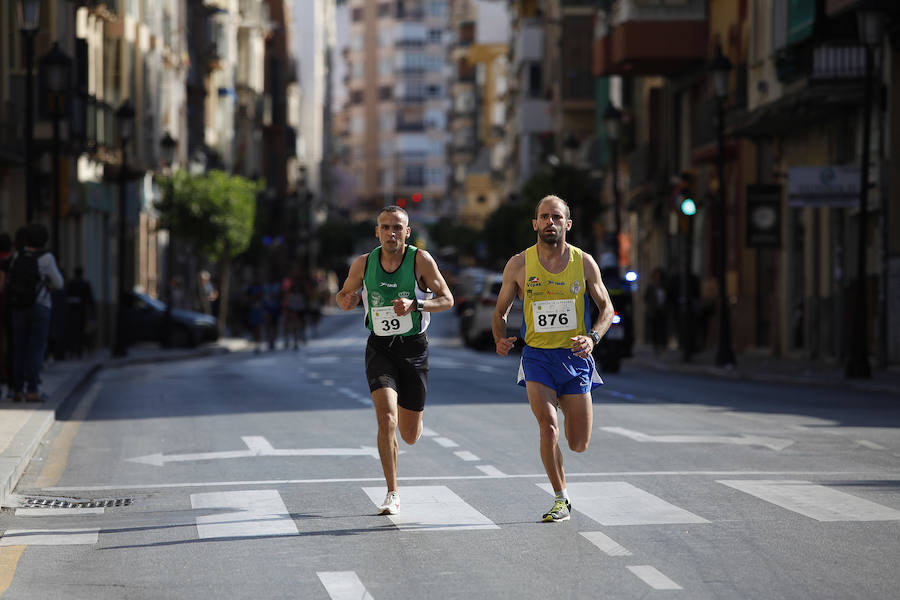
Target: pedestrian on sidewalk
{"points": [[32, 274], [555, 280], [400, 287]]}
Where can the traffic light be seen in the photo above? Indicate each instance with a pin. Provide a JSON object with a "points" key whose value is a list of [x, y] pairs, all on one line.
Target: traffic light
{"points": [[687, 205], [417, 197]]}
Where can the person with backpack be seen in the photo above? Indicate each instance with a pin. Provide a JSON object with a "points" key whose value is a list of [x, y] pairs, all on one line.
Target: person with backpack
{"points": [[32, 274]]}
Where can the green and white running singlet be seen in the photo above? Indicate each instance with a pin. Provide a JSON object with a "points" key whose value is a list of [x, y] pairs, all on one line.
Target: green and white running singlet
{"points": [[380, 288]]}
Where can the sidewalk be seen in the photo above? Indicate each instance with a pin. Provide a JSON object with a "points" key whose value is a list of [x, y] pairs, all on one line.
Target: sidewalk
{"points": [[23, 424], [758, 366]]}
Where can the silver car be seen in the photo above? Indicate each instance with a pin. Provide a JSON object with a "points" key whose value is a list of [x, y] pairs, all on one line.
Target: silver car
{"points": [[477, 331]]}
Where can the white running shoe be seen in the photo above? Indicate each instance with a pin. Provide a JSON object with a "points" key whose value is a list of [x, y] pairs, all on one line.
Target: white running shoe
{"points": [[391, 504]]}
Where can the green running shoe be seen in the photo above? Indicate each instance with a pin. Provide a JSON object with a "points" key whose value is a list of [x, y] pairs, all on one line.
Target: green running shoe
{"points": [[559, 512]]}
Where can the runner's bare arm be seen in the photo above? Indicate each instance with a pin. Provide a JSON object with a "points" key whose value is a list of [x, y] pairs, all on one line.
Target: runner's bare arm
{"points": [[349, 295], [512, 274], [430, 278], [599, 293]]}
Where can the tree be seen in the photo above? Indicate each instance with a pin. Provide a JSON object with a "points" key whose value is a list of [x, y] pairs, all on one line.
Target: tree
{"points": [[215, 211]]}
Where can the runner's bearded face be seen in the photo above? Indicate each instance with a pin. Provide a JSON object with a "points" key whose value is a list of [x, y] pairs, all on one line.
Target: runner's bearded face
{"points": [[392, 231], [551, 223]]}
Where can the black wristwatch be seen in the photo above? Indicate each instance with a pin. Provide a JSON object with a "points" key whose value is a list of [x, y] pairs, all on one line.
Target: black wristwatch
{"points": [[595, 337], [420, 305]]}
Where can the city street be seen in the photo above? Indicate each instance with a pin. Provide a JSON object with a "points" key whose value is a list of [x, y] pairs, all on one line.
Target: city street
{"points": [[257, 476]]}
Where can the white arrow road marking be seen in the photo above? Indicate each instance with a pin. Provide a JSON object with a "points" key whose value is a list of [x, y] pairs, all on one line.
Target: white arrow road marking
{"points": [[815, 501], [256, 446], [741, 440], [250, 513], [343, 585], [620, 503], [432, 508]]}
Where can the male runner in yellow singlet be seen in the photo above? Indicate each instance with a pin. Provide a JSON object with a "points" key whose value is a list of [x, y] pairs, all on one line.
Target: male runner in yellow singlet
{"points": [[554, 279]]}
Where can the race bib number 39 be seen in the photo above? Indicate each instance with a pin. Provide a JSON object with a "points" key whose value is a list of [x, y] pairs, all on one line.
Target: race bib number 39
{"points": [[386, 322], [554, 315]]}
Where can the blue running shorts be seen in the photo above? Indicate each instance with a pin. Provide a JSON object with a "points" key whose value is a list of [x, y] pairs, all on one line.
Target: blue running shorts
{"points": [[558, 369]]}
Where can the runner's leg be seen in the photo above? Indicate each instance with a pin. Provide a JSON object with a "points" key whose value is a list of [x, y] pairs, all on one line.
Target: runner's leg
{"points": [[385, 400], [578, 417], [543, 404]]}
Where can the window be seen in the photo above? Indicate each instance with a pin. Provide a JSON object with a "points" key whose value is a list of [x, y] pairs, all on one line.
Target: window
{"points": [[385, 92], [356, 97], [357, 15], [384, 9], [435, 36]]}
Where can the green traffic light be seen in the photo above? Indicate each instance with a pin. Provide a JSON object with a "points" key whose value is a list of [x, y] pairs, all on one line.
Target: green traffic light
{"points": [[688, 206]]}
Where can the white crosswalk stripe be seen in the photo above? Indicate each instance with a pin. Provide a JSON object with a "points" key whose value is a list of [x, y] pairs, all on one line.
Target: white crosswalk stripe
{"points": [[620, 503], [815, 501], [249, 513], [432, 508]]}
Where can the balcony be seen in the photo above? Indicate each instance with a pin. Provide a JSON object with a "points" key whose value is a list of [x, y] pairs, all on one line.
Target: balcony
{"points": [[529, 44], [663, 39]]}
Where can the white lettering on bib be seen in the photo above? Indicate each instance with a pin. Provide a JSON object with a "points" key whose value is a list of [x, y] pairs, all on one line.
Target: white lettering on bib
{"points": [[386, 322], [554, 315]]}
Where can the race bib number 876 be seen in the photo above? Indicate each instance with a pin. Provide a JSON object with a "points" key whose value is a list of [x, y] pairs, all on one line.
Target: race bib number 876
{"points": [[386, 322], [554, 315]]}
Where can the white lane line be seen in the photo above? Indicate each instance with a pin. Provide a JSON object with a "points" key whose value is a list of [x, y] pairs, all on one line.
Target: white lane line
{"points": [[354, 395], [49, 537], [343, 585], [432, 508], [743, 439], [466, 455], [446, 442], [652, 577], [491, 471], [328, 382], [251, 513], [605, 543], [815, 501], [870, 445], [53, 512], [620, 503], [494, 474], [428, 432]]}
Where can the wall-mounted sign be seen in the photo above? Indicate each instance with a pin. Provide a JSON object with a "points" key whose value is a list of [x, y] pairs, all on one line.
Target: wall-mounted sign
{"points": [[763, 216], [823, 186]]}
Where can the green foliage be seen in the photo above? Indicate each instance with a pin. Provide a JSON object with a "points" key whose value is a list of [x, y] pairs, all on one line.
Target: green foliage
{"points": [[214, 211], [447, 232], [338, 240], [508, 231]]}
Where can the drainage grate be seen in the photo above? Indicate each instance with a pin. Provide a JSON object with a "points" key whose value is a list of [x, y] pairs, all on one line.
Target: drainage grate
{"points": [[38, 502]]}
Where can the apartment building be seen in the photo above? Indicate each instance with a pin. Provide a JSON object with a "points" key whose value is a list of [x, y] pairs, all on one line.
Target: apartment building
{"points": [[398, 98]]}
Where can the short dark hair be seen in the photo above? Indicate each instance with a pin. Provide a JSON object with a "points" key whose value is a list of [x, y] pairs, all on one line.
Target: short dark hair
{"points": [[393, 208], [552, 197], [36, 235]]}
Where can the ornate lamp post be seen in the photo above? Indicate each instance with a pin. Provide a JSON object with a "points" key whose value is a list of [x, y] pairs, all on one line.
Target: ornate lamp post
{"points": [[720, 71], [125, 119], [168, 144], [870, 20], [612, 120], [29, 21], [54, 71]]}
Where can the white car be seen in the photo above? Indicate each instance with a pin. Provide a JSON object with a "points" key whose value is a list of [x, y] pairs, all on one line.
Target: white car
{"points": [[477, 331]]}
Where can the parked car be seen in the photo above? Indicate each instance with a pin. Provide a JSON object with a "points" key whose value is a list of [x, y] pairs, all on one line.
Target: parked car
{"points": [[145, 322], [477, 332], [469, 284]]}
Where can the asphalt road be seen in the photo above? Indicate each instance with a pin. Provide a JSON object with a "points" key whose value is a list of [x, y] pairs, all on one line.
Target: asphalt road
{"points": [[256, 476]]}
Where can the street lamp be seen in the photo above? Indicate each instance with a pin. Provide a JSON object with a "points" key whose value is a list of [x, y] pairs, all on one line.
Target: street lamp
{"points": [[720, 72], [29, 20], [168, 144], [125, 119], [54, 72], [870, 20], [612, 120]]}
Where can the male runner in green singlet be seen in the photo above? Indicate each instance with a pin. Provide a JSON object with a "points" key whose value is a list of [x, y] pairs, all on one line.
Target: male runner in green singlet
{"points": [[400, 286], [555, 279]]}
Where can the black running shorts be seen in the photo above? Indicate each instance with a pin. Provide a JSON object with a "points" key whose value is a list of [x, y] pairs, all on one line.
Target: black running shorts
{"points": [[400, 363]]}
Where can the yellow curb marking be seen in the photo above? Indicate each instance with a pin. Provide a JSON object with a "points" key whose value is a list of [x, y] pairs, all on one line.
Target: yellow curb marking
{"points": [[59, 452], [9, 559]]}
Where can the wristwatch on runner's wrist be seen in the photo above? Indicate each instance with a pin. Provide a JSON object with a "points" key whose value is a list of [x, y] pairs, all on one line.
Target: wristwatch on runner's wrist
{"points": [[595, 337], [420, 305]]}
